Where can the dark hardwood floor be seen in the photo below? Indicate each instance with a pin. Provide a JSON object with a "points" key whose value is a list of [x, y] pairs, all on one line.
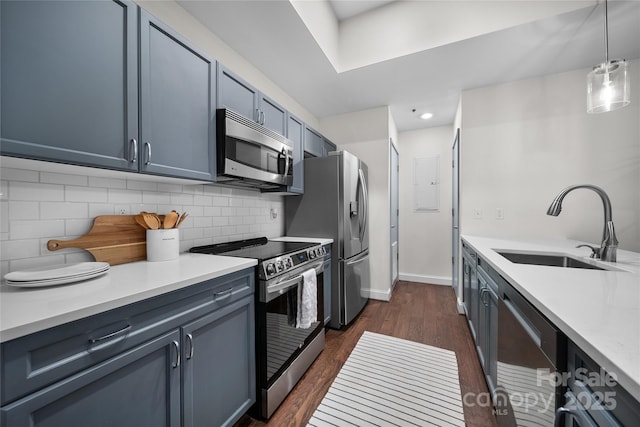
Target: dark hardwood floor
{"points": [[416, 312]]}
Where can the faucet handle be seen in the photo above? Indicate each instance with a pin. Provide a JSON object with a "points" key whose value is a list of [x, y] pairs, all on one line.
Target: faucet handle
{"points": [[595, 251]]}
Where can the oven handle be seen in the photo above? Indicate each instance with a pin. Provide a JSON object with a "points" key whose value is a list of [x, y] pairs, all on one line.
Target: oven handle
{"points": [[284, 285]]}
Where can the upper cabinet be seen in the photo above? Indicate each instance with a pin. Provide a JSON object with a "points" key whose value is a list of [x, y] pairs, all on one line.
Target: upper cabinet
{"points": [[177, 110], [295, 130], [313, 142], [70, 81], [70, 89], [236, 94]]}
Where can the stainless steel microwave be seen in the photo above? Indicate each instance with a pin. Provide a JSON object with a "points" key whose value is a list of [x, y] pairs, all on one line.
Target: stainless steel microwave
{"points": [[251, 155]]}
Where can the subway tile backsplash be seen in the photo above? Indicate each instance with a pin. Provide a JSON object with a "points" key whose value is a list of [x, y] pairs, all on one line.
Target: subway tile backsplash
{"points": [[38, 206]]}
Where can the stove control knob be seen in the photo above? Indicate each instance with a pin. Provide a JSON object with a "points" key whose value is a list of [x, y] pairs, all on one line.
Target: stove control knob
{"points": [[324, 250], [312, 254], [318, 252], [279, 266], [288, 263], [271, 269]]}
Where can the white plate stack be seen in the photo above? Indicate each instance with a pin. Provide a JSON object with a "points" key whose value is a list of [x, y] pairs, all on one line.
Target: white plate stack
{"points": [[56, 274]]}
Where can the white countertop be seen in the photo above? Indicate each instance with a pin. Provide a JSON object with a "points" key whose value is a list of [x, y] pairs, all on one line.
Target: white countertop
{"points": [[27, 310], [598, 310], [320, 240]]}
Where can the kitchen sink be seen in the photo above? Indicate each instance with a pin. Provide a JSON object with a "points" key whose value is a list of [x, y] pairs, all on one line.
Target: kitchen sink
{"points": [[550, 260]]}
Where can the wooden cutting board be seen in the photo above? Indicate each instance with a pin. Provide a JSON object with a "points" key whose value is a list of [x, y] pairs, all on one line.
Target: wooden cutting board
{"points": [[116, 239]]}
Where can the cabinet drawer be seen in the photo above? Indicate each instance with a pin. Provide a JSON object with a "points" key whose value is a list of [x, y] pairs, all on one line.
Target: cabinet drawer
{"points": [[34, 361]]}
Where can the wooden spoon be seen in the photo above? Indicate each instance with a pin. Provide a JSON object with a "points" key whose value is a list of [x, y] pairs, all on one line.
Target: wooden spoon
{"points": [[181, 220], [170, 220], [152, 220], [141, 222]]}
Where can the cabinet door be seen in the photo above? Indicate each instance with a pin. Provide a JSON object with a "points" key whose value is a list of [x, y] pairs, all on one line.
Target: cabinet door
{"points": [[176, 104], [219, 366], [327, 146], [140, 387], [69, 81], [481, 326], [295, 133], [274, 117], [313, 142], [236, 94]]}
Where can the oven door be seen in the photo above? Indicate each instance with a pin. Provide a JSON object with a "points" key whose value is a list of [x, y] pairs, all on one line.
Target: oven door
{"points": [[280, 342]]}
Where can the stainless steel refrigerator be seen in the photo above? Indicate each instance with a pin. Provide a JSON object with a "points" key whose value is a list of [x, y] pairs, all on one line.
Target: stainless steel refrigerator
{"points": [[335, 204]]}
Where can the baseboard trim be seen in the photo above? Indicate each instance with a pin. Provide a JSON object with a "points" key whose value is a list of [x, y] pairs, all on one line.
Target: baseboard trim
{"points": [[461, 309], [432, 280], [379, 295]]}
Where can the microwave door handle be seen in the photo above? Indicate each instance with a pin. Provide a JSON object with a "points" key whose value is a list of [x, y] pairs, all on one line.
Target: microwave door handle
{"points": [[286, 160]]}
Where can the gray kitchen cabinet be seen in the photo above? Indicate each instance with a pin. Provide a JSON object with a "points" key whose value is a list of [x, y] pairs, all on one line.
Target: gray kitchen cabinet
{"points": [[219, 367], [326, 277], [69, 81], [138, 387], [328, 146], [236, 94], [313, 143], [593, 396], [470, 287], [487, 328], [104, 84], [152, 360], [177, 104]]}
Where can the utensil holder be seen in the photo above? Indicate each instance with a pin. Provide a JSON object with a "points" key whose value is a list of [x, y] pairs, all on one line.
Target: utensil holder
{"points": [[163, 245]]}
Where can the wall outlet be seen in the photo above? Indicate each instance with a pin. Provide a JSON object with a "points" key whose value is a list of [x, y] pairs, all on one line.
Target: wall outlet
{"points": [[122, 210], [499, 213], [477, 214]]}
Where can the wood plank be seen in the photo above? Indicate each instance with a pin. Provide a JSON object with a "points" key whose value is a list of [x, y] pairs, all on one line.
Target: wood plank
{"points": [[417, 312]]}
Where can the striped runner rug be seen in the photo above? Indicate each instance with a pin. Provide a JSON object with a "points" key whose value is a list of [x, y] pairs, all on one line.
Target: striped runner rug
{"points": [[389, 381]]}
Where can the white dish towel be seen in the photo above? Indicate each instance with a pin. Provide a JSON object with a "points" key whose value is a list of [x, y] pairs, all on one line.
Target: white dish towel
{"points": [[307, 300]]}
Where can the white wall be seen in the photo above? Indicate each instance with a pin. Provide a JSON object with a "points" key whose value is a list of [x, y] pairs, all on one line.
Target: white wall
{"points": [[366, 134], [425, 237], [37, 206], [523, 142]]}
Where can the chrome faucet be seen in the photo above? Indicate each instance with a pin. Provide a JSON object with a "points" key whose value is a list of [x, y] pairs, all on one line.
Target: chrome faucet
{"points": [[609, 245]]}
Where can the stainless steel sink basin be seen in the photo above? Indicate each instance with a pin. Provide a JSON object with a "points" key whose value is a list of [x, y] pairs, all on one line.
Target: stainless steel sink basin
{"points": [[548, 260]]}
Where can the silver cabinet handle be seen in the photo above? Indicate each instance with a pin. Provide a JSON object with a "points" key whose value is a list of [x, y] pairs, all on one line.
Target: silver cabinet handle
{"points": [[262, 120], [176, 345], [257, 116], [111, 335], [134, 146], [217, 296], [147, 146], [190, 341]]}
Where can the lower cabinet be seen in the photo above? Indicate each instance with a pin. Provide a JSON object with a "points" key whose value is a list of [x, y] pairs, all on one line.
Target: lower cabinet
{"points": [[140, 387], [186, 358], [487, 328], [219, 374], [593, 397]]}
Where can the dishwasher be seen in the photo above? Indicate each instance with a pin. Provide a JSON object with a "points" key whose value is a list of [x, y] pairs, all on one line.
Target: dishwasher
{"points": [[531, 351]]}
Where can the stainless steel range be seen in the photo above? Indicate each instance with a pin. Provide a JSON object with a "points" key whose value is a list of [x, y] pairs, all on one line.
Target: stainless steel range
{"points": [[283, 351]]}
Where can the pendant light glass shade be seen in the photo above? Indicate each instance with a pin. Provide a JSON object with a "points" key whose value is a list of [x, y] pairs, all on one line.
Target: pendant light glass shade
{"points": [[608, 87]]}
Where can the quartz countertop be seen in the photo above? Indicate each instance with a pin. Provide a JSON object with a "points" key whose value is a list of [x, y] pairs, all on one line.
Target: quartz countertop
{"points": [[320, 240], [27, 310], [598, 310]]}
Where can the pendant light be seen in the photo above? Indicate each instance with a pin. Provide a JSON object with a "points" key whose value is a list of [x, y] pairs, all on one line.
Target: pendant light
{"points": [[608, 85]]}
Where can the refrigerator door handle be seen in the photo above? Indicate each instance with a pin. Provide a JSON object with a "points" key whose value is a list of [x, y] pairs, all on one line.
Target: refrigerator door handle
{"points": [[365, 197]]}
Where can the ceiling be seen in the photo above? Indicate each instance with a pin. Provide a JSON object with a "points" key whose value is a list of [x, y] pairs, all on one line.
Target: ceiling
{"points": [[280, 44]]}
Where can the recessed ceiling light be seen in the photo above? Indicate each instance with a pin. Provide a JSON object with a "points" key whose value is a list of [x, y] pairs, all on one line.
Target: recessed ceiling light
{"points": [[426, 116]]}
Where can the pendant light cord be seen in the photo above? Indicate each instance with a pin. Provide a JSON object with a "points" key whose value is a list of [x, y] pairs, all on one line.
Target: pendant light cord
{"points": [[606, 35]]}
